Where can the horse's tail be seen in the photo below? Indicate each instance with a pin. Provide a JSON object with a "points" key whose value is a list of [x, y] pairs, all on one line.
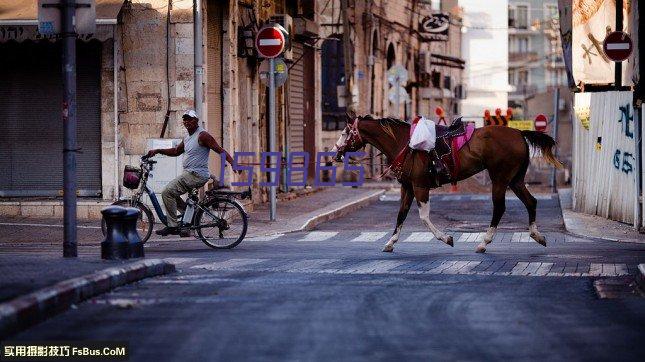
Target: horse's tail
{"points": [[545, 143]]}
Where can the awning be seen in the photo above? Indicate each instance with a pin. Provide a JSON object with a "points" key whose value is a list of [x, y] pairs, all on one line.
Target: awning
{"points": [[25, 12], [19, 20]]}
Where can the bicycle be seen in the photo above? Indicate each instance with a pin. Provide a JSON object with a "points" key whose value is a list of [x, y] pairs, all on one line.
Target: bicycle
{"points": [[218, 220]]}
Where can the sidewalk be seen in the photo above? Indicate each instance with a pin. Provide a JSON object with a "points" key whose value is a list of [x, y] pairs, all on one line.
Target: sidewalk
{"points": [[306, 212], [593, 226]]}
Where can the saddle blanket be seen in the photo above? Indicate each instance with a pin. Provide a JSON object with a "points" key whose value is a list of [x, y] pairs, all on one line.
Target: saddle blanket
{"points": [[423, 134]]}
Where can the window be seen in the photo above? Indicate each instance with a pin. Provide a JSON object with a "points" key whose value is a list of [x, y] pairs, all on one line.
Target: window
{"points": [[551, 11], [522, 16], [447, 82], [511, 77], [512, 22], [436, 79], [523, 77], [523, 44]]}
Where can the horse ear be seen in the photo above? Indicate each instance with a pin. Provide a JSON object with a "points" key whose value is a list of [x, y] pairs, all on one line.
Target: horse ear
{"points": [[351, 115]]}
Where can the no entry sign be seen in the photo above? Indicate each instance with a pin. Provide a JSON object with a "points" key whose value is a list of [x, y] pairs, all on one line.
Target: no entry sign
{"points": [[270, 41], [618, 46], [540, 123]]}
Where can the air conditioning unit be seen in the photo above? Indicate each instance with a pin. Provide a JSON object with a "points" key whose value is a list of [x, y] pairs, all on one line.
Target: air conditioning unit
{"points": [[287, 22]]}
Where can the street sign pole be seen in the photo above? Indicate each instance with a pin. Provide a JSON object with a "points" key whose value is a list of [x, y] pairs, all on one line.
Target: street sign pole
{"points": [[69, 129], [272, 191], [556, 110]]}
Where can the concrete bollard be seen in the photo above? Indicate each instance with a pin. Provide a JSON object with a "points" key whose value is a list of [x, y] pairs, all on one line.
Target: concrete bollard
{"points": [[130, 230], [115, 245]]}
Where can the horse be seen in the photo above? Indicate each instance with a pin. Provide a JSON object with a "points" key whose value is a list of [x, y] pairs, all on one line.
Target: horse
{"points": [[503, 151]]}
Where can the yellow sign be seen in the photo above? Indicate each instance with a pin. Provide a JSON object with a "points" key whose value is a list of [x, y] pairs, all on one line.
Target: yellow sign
{"points": [[522, 125], [583, 115], [280, 67]]}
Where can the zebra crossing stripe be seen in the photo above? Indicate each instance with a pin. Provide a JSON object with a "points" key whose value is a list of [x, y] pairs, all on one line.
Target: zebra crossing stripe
{"points": [[265, 237], [446, 267], [319, 235], [179, 261], [370, 236], [419, 237], [375, 267], [229, 264]]}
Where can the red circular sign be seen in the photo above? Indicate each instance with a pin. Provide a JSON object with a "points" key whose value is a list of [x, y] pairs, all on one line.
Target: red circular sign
{"points": [[618, 46], [540, 123], [270, 42]]}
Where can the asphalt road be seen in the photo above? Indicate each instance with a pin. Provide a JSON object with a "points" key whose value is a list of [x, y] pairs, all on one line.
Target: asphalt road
{"points": [[331, 294]]}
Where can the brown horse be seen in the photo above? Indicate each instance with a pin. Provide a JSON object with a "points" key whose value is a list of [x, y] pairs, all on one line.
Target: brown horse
{"points": [[503, 151]]}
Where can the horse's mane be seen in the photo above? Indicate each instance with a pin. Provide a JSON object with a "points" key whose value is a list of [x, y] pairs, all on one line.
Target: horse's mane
{"points": [[386, 123]]}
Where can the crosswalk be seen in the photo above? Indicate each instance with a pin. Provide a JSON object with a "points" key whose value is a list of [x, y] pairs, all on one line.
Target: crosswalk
{"points": [[402, 266], [409, 237], [461, 197]]}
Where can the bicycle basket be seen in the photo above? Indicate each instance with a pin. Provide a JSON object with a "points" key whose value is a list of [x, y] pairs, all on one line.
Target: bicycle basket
{"points": [[131, 177]]}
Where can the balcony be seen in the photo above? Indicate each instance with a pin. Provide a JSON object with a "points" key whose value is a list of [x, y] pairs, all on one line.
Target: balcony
{"points": [[522, 56]]}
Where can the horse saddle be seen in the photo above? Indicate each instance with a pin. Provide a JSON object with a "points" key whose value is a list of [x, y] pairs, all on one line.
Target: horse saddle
{"points": [[443, 163]]}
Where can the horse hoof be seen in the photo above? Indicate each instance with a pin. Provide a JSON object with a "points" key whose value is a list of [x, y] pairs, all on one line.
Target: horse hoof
{"points": [[449, 241], [540, 239], [480, 249], [388, 249]]}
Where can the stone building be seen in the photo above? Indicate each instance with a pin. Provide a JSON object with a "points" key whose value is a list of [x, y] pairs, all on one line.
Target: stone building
{"points": [[383, 34], [136, 76]]}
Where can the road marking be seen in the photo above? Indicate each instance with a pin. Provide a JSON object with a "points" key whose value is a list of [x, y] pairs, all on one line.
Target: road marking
{"points": [[419, 237], [319, 235], [228, 264], [370, 236], [373, 267], [470, 237], [265, 237], [521, 238], [385, 266]]}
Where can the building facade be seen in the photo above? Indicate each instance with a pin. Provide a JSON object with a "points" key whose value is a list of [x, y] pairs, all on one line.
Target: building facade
{"points": [[381, 35], [136, 77], [485, 49]]}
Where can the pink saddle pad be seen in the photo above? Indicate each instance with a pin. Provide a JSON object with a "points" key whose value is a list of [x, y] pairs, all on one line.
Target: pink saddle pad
{"points": [[459, 141]]}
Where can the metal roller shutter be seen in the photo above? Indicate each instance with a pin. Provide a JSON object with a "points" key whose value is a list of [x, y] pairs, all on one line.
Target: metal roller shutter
{"points": [[214, 96], [296, 108], [30, 115]]}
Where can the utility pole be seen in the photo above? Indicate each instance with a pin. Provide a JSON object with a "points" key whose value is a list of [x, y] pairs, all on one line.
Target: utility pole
{"points": [[347, 56], [69, 129]]}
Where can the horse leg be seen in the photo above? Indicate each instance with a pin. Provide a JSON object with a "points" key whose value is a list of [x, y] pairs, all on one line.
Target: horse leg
{"points": [[423, 201], [406, 201], [531, 204], [499, 206]]}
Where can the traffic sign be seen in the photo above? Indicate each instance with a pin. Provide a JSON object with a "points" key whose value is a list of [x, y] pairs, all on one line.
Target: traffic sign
{"points": [[397, 75], [270, 41], [398, 95], [281, 72], [540, 123], [618, 46]]}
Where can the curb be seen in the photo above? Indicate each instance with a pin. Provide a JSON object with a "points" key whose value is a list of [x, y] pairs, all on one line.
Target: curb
{"points": [[30, 309], [340, 211]]}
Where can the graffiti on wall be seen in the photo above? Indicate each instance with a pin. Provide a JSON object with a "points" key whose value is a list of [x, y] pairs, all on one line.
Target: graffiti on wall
{"points": [[624, 161]]}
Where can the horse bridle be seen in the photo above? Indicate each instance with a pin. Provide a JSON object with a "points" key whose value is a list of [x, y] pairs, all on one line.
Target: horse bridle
{"points": [[354, 137]]}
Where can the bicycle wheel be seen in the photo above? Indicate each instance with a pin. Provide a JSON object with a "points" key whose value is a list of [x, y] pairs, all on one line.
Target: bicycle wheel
{"points": [[221, 224], [146, 221]]}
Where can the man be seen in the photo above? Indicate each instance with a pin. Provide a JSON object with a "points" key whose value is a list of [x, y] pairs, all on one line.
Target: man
{"points": [[196, 146]]}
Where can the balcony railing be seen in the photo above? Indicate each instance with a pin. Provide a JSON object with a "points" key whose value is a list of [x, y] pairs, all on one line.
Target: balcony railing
{"points": [[522, 56]]}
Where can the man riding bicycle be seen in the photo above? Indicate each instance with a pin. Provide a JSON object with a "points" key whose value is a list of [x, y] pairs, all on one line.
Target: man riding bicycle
{"points": [[196, 146]]}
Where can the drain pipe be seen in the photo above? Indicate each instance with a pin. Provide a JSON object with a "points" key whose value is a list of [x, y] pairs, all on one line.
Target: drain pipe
{"points": [[115, 104], [199, 59]]}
